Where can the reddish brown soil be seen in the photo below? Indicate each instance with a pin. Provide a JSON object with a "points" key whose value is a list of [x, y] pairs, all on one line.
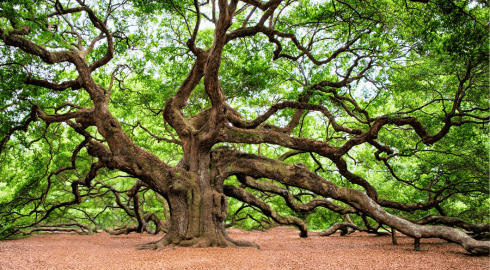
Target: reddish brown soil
{"points": [[281, 248]]}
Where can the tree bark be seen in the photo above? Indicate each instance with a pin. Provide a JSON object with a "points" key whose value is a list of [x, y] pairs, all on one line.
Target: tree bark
{"points": [[198, 207]]}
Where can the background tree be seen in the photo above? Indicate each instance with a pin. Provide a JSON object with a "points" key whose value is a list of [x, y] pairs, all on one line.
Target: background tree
{"points": [[376, 109]]}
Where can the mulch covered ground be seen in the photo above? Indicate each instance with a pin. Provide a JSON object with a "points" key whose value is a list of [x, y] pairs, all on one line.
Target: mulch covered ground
{"points": [[281, 248]]}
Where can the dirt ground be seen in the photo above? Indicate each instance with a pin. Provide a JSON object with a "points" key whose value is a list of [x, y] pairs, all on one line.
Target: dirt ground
{"points": [[281, 248]]}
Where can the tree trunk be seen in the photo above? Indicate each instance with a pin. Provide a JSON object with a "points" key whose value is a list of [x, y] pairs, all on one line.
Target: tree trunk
{"points": [[197, 207]]}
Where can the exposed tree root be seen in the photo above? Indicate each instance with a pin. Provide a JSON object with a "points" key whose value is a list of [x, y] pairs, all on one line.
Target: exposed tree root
{"points": [[199, 242], [239, 243]]}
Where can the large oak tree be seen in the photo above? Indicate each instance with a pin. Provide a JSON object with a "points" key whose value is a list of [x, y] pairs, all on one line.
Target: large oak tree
{"points": [[371, 95]]}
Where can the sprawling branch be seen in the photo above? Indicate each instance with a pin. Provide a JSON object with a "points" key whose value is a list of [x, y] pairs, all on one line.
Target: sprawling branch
{"points": [[453, 222], [211, 82], [343, 227], [261, 167], [56, 118], [247, 197], [272, 34], [238, 122], [73, 84], [191, 81], [12, 39], [290, 199], [261, 5], [82, 229], [32, 117]]}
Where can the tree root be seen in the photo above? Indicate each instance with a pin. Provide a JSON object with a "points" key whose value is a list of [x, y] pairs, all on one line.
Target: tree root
{"points": [[199, 242]]}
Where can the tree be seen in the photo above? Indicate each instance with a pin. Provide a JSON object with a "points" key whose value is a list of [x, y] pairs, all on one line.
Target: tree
{"points": [[374, 94]]}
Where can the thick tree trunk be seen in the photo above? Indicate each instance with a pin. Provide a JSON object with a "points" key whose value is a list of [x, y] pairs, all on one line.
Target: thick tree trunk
{"points": [[197, 208], [196, 219]]}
